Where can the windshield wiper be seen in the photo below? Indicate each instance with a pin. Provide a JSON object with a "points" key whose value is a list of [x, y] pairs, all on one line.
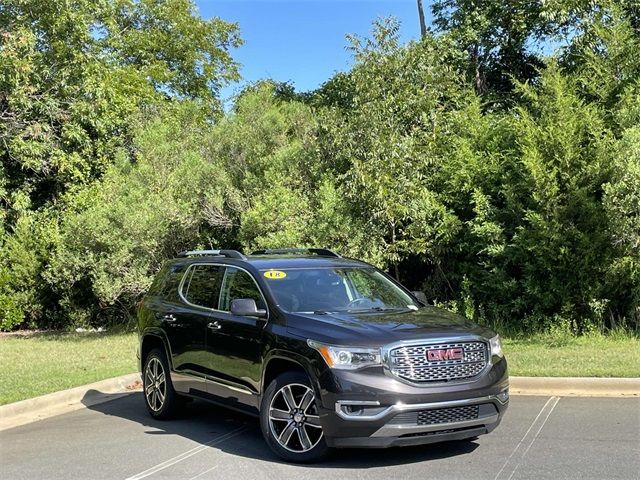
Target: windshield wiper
{"points": [[378, 309]]}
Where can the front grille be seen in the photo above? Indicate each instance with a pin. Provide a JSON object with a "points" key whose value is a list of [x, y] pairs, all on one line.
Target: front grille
{"points": [[444, 415], [411, 362], [448, 415]]}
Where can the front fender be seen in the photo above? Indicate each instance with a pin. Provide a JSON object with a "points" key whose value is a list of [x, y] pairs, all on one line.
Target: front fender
{"points": [[293, 357]]}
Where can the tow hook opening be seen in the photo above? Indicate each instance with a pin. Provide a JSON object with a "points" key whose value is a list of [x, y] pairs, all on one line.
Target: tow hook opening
{"points": [[503, 396]]}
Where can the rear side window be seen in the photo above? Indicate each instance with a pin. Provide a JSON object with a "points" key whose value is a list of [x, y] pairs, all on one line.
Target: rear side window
{"points": [[239, 284], [167, 280], [202, 285]]}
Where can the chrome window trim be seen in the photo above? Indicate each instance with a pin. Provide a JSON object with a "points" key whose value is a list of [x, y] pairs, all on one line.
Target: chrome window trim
{"points": [[407, 407], [224, 265], [386, 358], [186, 278]]}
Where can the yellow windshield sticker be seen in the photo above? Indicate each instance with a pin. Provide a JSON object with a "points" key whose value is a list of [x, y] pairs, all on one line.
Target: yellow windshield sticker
{"points": [[274, 274]]}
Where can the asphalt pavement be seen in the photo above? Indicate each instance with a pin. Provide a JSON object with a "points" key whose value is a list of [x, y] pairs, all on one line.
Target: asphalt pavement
{"points": [[540, 437]]}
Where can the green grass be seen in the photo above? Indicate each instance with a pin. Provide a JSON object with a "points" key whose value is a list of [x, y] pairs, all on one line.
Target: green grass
{"points": [[593, 355], [41, 363]]}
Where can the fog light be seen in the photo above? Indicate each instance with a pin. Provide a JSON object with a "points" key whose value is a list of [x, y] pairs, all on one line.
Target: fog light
{"points": [[362, 410], [356, 410]]}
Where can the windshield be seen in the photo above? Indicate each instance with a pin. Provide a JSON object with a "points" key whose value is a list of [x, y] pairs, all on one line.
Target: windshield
{"points": [[323, 290]]}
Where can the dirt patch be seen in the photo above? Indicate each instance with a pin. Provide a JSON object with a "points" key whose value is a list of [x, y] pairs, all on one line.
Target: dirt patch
{"points": [[137, 385]]}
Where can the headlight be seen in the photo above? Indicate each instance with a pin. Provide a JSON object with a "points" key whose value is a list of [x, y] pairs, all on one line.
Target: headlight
{"points": [[347, 358], [496, 347]]}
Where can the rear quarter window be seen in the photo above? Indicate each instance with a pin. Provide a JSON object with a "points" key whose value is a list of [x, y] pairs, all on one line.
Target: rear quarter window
{"points": [[167, 281]]}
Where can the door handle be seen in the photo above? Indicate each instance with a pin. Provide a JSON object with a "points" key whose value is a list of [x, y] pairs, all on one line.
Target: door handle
{"points": [[169, 318], [214, 326]]}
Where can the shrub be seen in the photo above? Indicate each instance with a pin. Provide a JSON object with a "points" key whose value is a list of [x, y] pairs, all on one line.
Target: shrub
{"points": [[117, 233]]}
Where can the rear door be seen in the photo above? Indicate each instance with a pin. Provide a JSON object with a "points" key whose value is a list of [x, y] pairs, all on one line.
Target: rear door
{"points": [[186, 325], [234, 342]]}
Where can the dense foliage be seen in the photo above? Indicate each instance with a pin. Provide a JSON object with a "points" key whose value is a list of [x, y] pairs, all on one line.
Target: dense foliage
{"points": [[500, 178]]}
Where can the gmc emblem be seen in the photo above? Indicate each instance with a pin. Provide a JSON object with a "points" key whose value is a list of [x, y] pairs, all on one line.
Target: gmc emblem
{"points": [[445, 354]]}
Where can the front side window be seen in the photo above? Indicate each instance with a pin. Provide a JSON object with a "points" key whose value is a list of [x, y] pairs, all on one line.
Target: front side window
{"points": [[202, 286], [239, 284]]}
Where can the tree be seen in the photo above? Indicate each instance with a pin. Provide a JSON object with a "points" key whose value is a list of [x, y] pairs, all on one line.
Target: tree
{"points": [[73, 73], [603, 56], [561, 244], [402, 97], [502, 182], [497, 37], [116, 233], [74, 77], [622, 206]]}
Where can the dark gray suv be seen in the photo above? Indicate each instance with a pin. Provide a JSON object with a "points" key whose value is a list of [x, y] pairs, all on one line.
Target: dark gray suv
{"points": [[327, 351]]}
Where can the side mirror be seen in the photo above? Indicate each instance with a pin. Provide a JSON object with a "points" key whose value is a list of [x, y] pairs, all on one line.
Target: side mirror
{"points": [[246, 307], [422, 298]]}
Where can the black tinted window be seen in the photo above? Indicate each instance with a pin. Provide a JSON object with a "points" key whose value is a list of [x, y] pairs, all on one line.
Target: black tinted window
{"points": [[202, 286], [159, 281], [239, 284], [167, 281]]}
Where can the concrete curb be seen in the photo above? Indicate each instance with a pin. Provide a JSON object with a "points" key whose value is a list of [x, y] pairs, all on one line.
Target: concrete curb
{"points": [[57, 403], [575, 386], [39, 408]]}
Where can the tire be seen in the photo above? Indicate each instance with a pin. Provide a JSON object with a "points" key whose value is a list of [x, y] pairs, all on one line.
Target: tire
{"points": [[160, 398], [289, 419]]}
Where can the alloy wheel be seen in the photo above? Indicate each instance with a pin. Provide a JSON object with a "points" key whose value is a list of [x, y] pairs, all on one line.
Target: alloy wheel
{"points": [[294, 419], [155, 384]]}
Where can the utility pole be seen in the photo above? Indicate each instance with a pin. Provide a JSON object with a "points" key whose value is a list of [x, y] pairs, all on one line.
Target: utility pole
{"points": [[423, 26]]}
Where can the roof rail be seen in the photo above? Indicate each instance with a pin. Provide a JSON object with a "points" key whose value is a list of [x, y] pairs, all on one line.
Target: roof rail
{"points": [[213, 253], [322, 252]]}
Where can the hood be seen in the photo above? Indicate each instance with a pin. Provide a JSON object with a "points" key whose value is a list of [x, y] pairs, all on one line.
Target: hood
{"points": [[376, 329]]}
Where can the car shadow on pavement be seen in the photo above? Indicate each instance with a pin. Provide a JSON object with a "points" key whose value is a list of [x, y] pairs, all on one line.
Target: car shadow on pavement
{"points": [[202, 422]]}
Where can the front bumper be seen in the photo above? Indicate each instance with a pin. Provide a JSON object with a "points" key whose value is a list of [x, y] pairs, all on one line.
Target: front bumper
{"points": [[416, 424], [371, 409]]}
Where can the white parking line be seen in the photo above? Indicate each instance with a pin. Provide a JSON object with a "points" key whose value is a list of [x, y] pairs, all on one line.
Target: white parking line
{"points": [[527, 440], [188, 453], [202, 473]]}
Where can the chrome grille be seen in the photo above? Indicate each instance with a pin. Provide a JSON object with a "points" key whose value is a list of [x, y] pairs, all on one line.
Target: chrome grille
{"points": [[411, 362], [448, 415]]}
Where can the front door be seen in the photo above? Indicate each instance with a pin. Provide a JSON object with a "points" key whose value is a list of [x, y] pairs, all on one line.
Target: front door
{"points": [[234, 342]]}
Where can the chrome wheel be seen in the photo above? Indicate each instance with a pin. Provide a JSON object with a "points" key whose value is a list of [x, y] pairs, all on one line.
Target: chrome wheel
{"points": [[155, 384], [293, 418]]}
